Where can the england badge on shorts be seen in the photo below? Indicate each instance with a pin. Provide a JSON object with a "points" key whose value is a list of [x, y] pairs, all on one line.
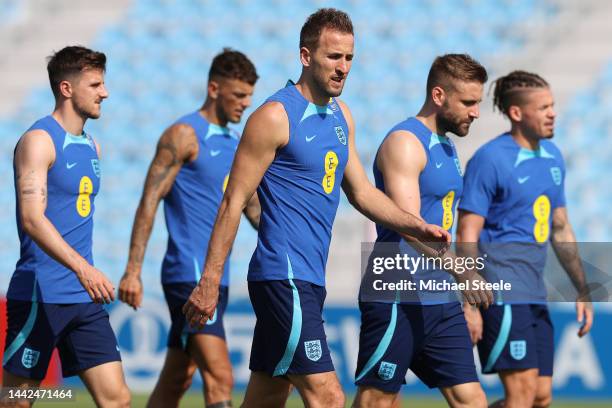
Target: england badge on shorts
{"points": [[518, 349], [313, 350], [340, 134], [386, 371], [29, 358]]}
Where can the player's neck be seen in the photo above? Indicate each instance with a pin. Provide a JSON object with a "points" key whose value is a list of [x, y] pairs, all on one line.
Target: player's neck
{"points": [[523, 140], [69, 120], [428, 118], [310, 92], [210, 113]]}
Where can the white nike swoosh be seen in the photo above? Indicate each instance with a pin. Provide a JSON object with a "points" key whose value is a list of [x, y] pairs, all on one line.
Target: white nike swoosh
{"points": [[214, 153], [308, 139], [521, 180], [70, 165], [438, 165]]}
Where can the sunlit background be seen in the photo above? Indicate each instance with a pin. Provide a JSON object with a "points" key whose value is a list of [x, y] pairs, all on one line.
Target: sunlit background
{"points": [[159, 53]]}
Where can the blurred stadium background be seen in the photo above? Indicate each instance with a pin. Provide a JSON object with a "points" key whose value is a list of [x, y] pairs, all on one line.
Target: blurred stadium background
{"points": [[159, 53]]}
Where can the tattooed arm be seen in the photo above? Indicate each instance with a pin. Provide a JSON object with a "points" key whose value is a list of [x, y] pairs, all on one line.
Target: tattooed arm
{"points": [[563, 241], [33, 157], [177, 145]]}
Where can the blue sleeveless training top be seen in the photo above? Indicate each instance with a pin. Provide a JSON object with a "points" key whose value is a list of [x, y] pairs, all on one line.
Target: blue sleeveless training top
{"points": [[300, 191], [440, 187], [73, 182], [191, 206]]}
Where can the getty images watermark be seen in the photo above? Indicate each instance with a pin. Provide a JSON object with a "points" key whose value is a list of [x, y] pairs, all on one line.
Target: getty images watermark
{"points": [[409, 264], [514, 272]]}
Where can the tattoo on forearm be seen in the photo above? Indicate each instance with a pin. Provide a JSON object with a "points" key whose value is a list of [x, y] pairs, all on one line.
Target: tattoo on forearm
{"points": [[140, 235], [165, 158], [136, 254], [28, 186], [568, 255], [142, 229]]}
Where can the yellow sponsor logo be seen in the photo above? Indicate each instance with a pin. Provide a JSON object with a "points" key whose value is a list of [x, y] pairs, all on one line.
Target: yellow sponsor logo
{"points": [[541, 212], [225, 180], [447, 206], [330, 165], [83, 203]]}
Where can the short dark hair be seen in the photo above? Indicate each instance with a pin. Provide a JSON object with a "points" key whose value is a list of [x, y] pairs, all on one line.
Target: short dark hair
{"points": [[72, 60], [509, 89], [450, 67], [233, 64], [330, 18]]}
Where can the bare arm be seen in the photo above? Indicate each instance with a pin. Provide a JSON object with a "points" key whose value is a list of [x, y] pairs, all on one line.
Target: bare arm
{"points": [[468, 231], [469, 228], [176, 146], [563, 241], [34, 156], [375, 205], [401, 160], [266, 131], [253, 211]]}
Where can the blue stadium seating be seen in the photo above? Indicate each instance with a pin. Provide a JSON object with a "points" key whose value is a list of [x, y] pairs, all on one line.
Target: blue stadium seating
{"points": [[11, 11], [582, 136], [158, 58]]}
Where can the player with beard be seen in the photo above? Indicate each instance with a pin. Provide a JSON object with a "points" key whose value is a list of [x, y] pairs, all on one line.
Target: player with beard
{"points": [[417, 167], [513, 205], [297, 150], [55, 295], [190, 172]]}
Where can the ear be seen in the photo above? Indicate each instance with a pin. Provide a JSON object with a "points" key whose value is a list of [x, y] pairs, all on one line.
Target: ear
{"points": [[213, 89], [515, 113], [438, 95], [305, 56], [65, 89]]}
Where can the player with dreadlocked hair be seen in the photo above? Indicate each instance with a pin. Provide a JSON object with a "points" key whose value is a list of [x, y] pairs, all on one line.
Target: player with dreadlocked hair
{"points": [[514, 198], [510, 89]]}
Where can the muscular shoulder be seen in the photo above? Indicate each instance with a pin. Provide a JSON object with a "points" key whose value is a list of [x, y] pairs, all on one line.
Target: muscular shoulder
{"points": [[36, 136], [270, 123], [401, 149], [181, 139], [35, 145], [271, 113]]}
